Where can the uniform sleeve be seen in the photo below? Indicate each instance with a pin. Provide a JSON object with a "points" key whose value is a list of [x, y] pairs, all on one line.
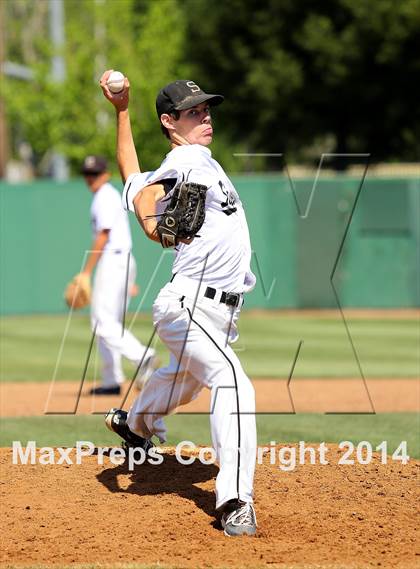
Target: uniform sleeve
{"points": [[136, 182]]}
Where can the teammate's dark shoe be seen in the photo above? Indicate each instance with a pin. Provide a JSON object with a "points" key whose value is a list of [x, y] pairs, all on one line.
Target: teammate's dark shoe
{"points": [[116, 421], [101, 390], [239, 518]]}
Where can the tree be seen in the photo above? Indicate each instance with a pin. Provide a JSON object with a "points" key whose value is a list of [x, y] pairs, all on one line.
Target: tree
{"points": [[73, 117], [300, 74]]}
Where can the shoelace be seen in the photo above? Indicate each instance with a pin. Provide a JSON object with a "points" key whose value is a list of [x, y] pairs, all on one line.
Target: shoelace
{"points": [[244, 516]]}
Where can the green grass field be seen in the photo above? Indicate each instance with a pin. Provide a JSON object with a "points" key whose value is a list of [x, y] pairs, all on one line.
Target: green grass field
{"points": [[66, 430], [32, 345]]}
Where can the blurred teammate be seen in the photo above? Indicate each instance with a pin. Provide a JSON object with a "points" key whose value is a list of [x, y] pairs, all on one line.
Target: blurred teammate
{"points": [[114, 281]]}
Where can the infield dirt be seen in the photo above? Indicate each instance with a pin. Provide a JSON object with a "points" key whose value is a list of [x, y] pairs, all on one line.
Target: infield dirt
{"points": [[316, 515], [304, 395]]}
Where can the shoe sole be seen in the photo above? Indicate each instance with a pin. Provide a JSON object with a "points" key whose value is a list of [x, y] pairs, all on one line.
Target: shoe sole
{"points": [[108, 422], [246, 534], [108, 418], [237, 535], [111, 392]]}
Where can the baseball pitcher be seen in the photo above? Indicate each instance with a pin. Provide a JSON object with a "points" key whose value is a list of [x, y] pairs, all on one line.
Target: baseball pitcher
{"points": [[190, 204]]}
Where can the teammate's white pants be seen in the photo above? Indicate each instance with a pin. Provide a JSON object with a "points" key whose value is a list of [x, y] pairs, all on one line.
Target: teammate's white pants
{"points": [[197, 338], [111, 286]]}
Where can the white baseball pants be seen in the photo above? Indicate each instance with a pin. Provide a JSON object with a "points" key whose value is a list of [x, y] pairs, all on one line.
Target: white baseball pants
{"points": [[197, 338], [115, 274]]}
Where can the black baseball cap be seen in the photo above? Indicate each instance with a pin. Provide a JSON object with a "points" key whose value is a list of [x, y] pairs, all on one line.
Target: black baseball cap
{"points": [[181, 95], [94, 165]]}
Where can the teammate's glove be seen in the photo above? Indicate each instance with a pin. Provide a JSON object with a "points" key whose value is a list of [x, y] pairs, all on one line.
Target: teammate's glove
{"points": [[184, 215], [78, 291]]}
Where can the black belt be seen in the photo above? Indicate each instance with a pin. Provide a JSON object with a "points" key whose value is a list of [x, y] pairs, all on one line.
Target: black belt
{"points": [[229, 298]]}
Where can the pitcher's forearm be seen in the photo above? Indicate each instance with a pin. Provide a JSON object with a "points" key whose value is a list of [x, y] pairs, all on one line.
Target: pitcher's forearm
{"points": [[145, 209], [126, 151]]}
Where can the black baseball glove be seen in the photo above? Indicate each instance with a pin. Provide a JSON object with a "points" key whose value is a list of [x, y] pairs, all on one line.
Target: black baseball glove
{"points": [[184, 215]]}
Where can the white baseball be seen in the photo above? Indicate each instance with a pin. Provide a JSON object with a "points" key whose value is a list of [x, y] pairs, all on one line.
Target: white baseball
{"points": [[115, 82]]}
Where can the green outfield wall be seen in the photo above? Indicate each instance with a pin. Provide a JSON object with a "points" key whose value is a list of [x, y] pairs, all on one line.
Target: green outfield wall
{"points": [[364, 239]]}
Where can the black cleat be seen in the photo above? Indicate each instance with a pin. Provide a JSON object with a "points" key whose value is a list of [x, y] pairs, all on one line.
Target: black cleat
{"points": [[116, 421]]}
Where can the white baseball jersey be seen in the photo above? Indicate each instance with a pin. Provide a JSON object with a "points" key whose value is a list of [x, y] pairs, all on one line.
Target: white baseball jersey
{"points": [[106, 213], [224, 236]]}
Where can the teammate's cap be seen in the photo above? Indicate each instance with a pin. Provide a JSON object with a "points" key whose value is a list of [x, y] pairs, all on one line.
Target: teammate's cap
{"points": [[181, 95], [94, 165]]}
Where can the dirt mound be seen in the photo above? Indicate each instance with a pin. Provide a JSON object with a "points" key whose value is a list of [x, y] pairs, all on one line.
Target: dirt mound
{"points": [[305, 396], [323, 515]]}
